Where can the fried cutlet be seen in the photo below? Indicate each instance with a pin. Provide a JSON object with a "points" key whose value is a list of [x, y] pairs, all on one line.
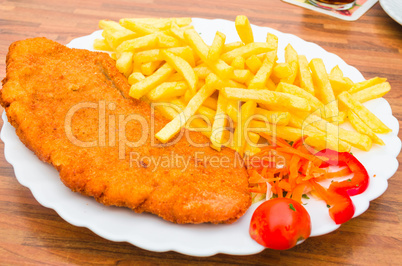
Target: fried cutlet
{"points": [[71, 108]]}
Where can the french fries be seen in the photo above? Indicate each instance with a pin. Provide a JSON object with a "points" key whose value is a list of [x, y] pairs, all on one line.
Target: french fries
{"points": [[247, 110], [215, 50], [142, 87], [373, 92], [240, 89], [266, 97], [243, 28], [305, 79], [365, 84], [183, 67], [124, 63], [219, 67], [220, 122], [363, 113], [168, 90], [174, 126], [297, 91], [246, 51], [323, 89], [361, 127], [291, 58]]}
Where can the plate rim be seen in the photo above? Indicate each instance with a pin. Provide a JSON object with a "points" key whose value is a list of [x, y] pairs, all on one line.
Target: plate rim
{"points": [[385, 6]]}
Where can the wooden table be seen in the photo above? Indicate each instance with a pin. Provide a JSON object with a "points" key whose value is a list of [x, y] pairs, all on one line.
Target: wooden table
{"points": [[30, 233]]}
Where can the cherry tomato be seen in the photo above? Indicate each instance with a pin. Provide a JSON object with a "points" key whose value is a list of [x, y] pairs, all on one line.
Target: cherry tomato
{"points": [[279, 223]]}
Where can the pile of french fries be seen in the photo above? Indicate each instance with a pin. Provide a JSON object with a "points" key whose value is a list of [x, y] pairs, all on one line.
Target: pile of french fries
{"points": [[235, 93]]}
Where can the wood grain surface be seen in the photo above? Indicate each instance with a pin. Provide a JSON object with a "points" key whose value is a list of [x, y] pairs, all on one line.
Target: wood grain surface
{"points": [[33, 234]]}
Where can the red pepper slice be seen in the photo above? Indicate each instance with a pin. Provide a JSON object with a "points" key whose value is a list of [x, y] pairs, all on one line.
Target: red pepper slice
{"points": [[341, 208], [338, 194], [360, 180]]}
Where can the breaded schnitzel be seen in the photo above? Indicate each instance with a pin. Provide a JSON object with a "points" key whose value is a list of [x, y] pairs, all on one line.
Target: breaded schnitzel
{"points": [[71, 108]]}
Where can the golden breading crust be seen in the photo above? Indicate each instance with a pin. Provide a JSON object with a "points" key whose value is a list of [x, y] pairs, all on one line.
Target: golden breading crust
{"points": [[71, 107]]}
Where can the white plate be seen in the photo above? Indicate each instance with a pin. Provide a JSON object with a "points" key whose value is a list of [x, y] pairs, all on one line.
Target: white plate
{"points": [[152, 233], [393, 8]]}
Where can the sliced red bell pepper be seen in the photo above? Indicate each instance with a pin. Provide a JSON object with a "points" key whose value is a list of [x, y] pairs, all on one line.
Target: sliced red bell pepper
{"points": [[338, 194], [341, 208], [360, 180]]}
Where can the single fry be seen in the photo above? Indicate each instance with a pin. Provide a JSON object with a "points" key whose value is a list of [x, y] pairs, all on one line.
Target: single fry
{"points": [[246, 111], [139, 44], [215, 50], [142, 87], [174, 126], [365, 84], [168, 90], [182, 67], [323, 89], [125, 63], [306, 81], [220, 123], [267, 97], [373, 92], [292, 59], [243, 29], [247, 51]]}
